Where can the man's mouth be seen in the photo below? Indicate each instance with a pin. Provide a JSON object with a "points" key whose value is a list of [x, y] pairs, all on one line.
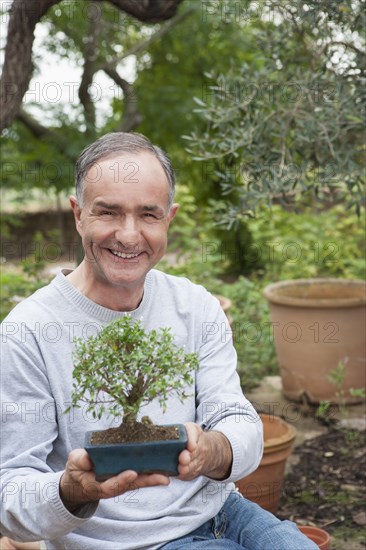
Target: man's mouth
{"points": [[124, 255]]}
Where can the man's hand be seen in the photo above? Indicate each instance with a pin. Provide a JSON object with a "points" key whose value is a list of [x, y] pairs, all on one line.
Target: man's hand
{"points": [[10, 544], [78, 485], [207, 453]]}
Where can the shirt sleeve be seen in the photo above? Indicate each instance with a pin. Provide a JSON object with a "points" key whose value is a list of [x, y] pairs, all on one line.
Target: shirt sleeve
{"points": [[221, 404], [31, 507]]}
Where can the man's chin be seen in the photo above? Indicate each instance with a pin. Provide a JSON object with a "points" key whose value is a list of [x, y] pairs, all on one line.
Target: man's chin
{"points": [[124, 279]]}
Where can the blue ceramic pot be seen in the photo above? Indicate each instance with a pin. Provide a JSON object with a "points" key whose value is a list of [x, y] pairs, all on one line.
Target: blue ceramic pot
{"points": [[145, 457]]}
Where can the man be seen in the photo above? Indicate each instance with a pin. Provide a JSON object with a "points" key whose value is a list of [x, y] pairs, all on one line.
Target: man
{"points": [[123, 208]]}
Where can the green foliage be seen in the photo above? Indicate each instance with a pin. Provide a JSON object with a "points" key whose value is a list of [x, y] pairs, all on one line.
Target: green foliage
{"points": [[289, 120], [8, 220], [358, 392], [190, 236], [252, 330], [125, 366], [195, 254], [46, 163], [201, 251], [19, 283], [36, 263], [217, 43], [15, 286], [173, 72], [289, 245], [336, 377], [39, 151], [309, 243], [323, 409]]}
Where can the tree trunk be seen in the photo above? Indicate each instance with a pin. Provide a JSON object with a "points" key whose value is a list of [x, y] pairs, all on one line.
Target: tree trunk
{"points": [[18, 64], [24, 16], [149, 11]]}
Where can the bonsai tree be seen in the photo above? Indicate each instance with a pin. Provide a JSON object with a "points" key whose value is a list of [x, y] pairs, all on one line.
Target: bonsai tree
{"points": [[125, 367]]}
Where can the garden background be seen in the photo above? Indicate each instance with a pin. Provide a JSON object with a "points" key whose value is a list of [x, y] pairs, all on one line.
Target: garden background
{"points": [[260, 106]]}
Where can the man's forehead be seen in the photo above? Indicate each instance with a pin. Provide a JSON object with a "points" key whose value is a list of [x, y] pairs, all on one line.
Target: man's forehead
{"points": [[129, 168], [122, 158]]}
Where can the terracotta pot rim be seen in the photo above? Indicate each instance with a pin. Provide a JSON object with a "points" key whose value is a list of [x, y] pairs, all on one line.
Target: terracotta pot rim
{"points": [[275, 293], [322, 537], [224, 301], [282, 441]]}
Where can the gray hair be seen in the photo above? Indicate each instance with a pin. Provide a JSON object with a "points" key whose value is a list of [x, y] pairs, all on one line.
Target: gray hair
{"points": [[120, 142]]}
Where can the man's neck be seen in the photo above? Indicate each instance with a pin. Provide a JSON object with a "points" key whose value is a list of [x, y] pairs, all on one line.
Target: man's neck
{"points": [[118, 298]]}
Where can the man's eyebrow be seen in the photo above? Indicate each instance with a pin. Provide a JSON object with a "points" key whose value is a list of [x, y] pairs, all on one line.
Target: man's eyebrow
{"points": [[116, 206], [109, 206], [152, 208]]}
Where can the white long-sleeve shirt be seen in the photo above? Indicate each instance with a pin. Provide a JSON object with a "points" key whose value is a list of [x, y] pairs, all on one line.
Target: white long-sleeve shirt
{"points": [[37, 436]]}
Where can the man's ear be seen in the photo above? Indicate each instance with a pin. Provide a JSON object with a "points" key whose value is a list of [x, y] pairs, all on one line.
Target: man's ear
{"points": [[77, 212], [172, 212]]}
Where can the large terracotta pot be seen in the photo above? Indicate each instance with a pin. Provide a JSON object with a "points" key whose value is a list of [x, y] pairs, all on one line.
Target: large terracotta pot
{"points": [[264, 485], [319, 536], [225, 303], [318, 324]]}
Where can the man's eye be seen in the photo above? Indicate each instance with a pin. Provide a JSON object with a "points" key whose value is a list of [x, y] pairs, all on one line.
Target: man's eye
{"points": [[106, 213], [149, 215]]}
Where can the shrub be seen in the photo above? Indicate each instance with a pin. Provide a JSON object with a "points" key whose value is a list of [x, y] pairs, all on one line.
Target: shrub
{"points": [[125, 366]]}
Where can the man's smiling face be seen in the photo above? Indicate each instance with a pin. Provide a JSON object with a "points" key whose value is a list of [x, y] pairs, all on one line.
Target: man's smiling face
{"points": [[124, 220]]}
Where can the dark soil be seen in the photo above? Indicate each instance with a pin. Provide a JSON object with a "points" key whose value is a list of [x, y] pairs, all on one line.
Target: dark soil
{"points": [[137, 432], [327, 487]]}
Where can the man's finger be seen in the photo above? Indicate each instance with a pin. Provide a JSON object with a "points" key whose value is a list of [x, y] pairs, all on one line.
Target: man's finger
{"points": [[193, 433], [80, 460], [130, 481], [119, 483], [150, 480]]}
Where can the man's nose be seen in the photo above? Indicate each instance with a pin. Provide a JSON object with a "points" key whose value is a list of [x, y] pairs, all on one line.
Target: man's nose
{"points": [[127, 231]]}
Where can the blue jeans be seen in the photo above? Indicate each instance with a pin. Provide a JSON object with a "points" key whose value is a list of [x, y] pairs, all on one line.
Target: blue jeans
{"points": [[243, 524]]}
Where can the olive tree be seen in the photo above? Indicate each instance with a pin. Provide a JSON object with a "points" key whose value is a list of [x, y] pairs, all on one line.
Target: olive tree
{"points": [[289, 120]]}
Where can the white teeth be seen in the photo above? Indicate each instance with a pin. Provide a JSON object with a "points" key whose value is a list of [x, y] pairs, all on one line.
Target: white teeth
{"points": [[122, 255]]}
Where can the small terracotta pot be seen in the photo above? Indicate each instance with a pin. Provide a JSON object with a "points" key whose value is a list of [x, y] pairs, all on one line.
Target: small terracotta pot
{"points": [[317, 535], [225, 303], [318, 324], [265, 484]]}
